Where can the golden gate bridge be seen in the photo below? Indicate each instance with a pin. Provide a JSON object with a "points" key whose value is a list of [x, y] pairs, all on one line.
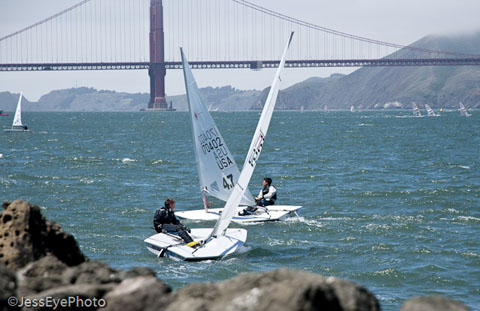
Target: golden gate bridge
{"points": [[219, 34]]}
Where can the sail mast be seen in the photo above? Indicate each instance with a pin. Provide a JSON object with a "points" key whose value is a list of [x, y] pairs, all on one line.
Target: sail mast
{"points": [[253, 153]]}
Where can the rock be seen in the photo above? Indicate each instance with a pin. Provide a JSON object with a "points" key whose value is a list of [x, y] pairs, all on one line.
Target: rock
{"points": [[144, 293], [41, 275], [26, 236], [279, 290], [91, 272], [78, 292], [8, 286], [136, 271], [433, 303]]}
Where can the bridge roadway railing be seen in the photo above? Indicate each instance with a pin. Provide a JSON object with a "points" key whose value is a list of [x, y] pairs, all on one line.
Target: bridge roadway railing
{"points": [[244, 64]]}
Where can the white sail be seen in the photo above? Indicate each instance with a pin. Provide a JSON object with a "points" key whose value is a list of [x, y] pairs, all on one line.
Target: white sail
{"points": [[253, 152], [416, 110], [463, 110], [430, 111], [17, 119], [352, 109], [217, 170], [325, 108]]}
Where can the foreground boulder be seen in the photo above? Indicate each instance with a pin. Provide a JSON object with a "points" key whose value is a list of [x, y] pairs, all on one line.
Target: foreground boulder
{"points": [[8, 284], [279, 290], [433, 303], [139, 293], [26, 236]]}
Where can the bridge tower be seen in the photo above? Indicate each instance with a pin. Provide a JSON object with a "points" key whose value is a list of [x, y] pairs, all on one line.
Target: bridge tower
{"points": [[157, 71]]}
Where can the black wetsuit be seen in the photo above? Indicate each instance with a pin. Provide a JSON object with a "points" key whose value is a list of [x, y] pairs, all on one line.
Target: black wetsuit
{"points": [[165, 219]]}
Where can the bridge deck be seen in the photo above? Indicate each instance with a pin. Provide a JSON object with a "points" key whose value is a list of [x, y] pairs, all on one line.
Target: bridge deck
{"points": [[244, 64]]}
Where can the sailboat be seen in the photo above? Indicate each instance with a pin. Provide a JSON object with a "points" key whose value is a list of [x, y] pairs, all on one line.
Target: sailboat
{"points": [[352, 108], [218, 173], [430, 111], [463, 110], [325, 108], [221, 241], [416, 110], [17, 125], [301, 109]]}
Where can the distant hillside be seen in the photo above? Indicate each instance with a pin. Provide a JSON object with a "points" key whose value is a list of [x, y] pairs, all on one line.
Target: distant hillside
{"points": [[8, 101], [90, 99], [378, 87], [305, 94], [220, 98]]}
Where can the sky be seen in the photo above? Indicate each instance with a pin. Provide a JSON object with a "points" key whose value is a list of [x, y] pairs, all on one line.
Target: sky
{"points": [[401, 22]]}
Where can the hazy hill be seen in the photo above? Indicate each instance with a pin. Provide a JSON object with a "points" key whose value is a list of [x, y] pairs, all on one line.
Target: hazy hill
{"points": [[220, 98], [374, 87], [90, 99], [8, 101]]}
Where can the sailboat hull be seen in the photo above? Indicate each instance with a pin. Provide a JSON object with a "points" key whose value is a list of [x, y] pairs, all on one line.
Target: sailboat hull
{"points": [[275, 213], [172, 246], [15, 130]]}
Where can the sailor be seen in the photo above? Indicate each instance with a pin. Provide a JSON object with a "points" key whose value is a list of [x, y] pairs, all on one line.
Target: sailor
{"points": [[25, 127], [164, 220], [267, 196]]}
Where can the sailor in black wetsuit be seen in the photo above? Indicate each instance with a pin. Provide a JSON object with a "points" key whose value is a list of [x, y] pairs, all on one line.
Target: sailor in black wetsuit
{"points": [[165, 221]]}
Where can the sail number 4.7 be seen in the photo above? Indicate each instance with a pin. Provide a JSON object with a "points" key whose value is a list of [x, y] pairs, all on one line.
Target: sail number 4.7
{"points": [[228, 182]]}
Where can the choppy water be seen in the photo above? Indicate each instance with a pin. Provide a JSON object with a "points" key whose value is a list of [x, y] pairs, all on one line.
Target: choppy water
{"points": [[390, 202]]}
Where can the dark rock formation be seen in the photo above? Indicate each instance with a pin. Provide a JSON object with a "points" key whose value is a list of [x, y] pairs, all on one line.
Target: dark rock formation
{"points": [[145, 293], [8, 284], [433, 303], [26, 236], [278, 290]]}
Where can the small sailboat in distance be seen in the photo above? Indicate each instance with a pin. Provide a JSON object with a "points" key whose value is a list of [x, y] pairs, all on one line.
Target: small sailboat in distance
{"points": [[301, 109], [352, 108], [463, 110], [221, 241], [430, 111], [17, 125], [324, 108], [416, 110]]}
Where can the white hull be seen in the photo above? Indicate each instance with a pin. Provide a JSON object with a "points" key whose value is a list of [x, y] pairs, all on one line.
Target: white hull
{"points": [[16, 130], [275, 213], [172, 246]]}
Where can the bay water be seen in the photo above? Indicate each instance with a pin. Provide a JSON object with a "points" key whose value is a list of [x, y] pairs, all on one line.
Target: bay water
{"points": [[390, 201]]}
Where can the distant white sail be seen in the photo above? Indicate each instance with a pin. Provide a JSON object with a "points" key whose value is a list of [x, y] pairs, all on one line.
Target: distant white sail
{"points": [[463, 110], [352, 108], [301, 108], [253, 152], [416, 110], [325, 108], [430, 111], [17, 119], [217, 170]]}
